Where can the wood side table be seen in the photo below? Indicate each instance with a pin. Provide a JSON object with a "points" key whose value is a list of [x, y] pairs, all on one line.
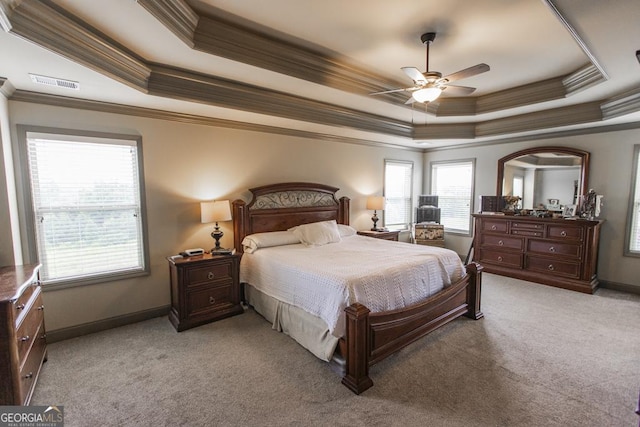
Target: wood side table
{"points": [[204, 288], [385, 235]]}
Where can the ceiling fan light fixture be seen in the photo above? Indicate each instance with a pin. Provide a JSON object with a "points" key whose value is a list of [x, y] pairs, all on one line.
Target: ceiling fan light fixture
{"points": [[427, 94]]}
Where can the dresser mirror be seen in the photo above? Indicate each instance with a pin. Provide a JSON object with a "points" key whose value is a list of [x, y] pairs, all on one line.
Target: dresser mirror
{"points": [[545, 178]]}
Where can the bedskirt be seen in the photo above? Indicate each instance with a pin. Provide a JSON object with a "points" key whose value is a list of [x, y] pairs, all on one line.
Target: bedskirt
{"points": [[308, 330]]}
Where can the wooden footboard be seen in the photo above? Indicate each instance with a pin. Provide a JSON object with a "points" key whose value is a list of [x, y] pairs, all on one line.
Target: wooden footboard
{"points": [[371, 337]]}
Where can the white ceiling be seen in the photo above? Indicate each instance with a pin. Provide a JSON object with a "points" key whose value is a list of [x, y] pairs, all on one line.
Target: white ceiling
{"points": [[523, 41]]}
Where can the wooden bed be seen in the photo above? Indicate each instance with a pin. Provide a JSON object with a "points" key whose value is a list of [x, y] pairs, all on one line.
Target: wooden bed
{"points": [[370, 337]]}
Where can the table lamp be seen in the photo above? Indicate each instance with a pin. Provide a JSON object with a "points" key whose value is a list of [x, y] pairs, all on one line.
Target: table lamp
{"points": [[375, 203], [216, 211]]}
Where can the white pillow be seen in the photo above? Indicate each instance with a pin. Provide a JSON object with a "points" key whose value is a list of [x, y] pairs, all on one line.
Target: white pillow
{"points": [[253, 242], [346, 230], [317, 233]]}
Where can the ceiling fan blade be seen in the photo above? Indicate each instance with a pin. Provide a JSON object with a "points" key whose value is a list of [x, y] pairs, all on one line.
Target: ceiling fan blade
{"points": [[467, 72], [391, 91], [415, 75], [458, 90], [411, 100]]}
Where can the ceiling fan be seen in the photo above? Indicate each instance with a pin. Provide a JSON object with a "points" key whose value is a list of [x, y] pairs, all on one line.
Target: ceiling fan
{"points": [[430, 84]]}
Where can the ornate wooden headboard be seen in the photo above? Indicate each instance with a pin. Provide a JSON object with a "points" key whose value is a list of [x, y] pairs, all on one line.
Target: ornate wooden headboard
{"points": [[281, 206]]}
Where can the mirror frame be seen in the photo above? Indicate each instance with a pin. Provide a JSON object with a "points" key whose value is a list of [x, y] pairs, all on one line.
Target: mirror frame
{"points": [[584, 170]]}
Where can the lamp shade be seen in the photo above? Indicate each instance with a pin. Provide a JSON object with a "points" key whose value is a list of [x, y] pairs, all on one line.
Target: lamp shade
{"points": [[375, 203], [219, 210], [427, 94]]}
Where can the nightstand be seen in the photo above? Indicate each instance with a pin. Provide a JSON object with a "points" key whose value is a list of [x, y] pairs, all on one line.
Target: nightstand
{"points": [[204, 288], [385, 235]]}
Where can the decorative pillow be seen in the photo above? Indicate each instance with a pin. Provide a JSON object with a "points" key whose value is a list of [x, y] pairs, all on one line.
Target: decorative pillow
{"points": [[346, 230], [253, 242], [317, 233]]}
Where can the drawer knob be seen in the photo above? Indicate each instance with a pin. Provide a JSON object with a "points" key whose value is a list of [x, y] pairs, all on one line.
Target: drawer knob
{"points": [[211, 275], [500, 242], [41, 307], [563, 233], [500, 258], [25, 338], [212, 300], [28, 376], [20, 307], [551, 267], [493, 227], [552, 249]]}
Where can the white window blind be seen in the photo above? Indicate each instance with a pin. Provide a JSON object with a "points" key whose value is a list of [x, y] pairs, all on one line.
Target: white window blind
{"points": [[398, 179], [452, 182], [87, 206], [633, 224]]}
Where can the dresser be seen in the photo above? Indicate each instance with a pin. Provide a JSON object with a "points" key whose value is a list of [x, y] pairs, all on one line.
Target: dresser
{"points": [[557, 252], [23, 345], [204, 288]]}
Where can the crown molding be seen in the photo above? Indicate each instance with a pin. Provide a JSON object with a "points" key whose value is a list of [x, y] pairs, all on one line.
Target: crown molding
{"points": [[176, 15], [620, 105], [186, 85], [546, 119], [150, 113], [48, 26]]}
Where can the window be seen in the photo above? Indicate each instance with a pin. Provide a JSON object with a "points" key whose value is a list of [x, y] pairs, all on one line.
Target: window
{"points": [[518, 189], [632, 240], [86, 200], [398, 179], [452, 182]]}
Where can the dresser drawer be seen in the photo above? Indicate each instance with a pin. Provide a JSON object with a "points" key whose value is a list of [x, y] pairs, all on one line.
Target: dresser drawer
{"points": [[210, 299], [555, 248], [532, 229], [20, 305], [502, 241], [507, 259], [28, 331], [565, 232], [553, 267], [494, 226], [31, 368], [197, 275]]}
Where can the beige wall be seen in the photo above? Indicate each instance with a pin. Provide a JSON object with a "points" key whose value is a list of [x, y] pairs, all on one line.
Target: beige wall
{"points": [[609, 175], [185, 164]]}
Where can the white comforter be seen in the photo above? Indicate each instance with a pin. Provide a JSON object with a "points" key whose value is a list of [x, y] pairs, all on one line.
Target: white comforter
{"points": [[324, 280]]}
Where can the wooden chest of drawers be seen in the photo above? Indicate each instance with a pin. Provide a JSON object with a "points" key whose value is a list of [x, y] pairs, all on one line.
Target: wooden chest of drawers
{"points": [[556, 252], [204, 288], [22, 334]]}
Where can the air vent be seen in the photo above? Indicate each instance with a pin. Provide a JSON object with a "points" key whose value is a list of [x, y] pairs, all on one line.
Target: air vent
{"points": [[52, 81]]}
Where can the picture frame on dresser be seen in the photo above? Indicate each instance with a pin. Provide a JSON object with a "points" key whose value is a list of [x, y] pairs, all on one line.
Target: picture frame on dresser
{"points": [[569, 211]]}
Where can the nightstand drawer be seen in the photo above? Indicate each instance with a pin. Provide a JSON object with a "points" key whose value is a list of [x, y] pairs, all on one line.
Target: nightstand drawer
{"points": [[208, 299], [199, 275]]}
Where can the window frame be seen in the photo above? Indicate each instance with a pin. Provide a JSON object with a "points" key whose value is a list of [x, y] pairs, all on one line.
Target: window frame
{"points": [[631, 209], [404, 226], [472, 161], [26, 211]]}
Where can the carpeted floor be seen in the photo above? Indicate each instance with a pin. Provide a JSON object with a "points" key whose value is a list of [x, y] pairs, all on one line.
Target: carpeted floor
{"points": [[541, 357]]}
